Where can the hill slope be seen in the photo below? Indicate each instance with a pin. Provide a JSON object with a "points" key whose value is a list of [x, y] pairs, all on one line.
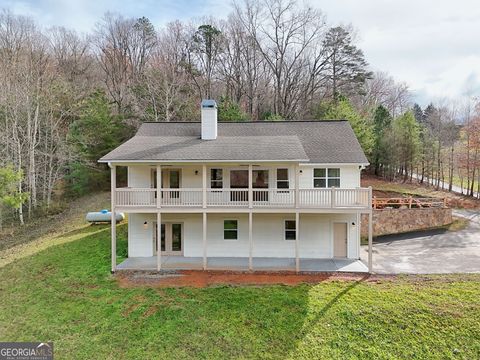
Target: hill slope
{"points": [[44, 232]]}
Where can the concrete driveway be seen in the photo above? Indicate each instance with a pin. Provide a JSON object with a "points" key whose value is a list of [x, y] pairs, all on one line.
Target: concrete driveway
{"points": [[436, 252]]}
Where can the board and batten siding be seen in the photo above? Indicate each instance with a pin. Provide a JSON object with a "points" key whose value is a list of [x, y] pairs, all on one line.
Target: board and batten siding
{"points": [[316, 235]]}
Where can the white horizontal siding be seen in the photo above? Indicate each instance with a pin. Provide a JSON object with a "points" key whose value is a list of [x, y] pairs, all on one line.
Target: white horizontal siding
{"points": [[268, 233], [140, 239], [349, 176], [140, 176]]}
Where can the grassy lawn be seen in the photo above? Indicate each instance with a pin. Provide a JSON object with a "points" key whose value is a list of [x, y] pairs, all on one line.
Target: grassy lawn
{"points": [[47, 226], [64, 293]]}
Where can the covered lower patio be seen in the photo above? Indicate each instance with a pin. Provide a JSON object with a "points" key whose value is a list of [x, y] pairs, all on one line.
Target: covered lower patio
{"points": [[242, 264]]}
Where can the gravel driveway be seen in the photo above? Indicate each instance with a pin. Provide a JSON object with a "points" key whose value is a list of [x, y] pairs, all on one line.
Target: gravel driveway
{"points": [[438, 252]]}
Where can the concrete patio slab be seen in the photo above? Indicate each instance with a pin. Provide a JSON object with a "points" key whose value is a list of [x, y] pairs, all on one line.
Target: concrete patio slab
{"points": [[241, 264]]}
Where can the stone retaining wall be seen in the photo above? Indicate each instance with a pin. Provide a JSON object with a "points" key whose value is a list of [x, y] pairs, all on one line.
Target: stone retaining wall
{"points": [[394, 221]]}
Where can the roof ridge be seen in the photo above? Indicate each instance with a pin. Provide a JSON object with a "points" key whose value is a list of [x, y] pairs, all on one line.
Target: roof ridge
{"points": [[249, 122]]}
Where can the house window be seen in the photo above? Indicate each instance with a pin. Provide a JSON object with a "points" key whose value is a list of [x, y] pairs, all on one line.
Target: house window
{"points": [[290, 230], [216, 178], [282, 179], [333, 177], [230, 229], [323, 177]]}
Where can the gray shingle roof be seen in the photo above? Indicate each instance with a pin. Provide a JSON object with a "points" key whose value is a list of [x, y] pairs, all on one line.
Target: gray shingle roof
{"points": [[305, 141]]}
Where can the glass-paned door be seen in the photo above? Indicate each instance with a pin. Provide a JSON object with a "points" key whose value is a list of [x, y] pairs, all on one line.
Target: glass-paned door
{"points": [[176, 238], [171, 179], [163, 237], [174, 183], [239, 180], [171, 239], [260, 181], [162, 241]]}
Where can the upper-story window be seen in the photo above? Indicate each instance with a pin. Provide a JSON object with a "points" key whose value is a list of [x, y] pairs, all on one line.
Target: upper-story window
{"points": [[282, 179], [326, 177], [216, 178]]}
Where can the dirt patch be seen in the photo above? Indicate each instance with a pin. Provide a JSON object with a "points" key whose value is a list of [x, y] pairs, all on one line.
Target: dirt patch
{"points": [[130, 309], [388, 194], [201, 279], [150, 311]]}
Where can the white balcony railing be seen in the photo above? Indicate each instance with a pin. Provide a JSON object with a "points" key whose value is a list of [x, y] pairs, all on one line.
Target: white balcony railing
{"points": [[135, 197], [273, 197], [227, 197], [181, 197], [334, 198]]}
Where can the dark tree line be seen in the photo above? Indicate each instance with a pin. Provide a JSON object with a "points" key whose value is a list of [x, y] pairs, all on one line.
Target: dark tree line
{"points": [[67, 99]]}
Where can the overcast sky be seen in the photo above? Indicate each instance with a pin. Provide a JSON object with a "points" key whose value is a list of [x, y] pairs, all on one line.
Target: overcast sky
{"points": [[433, 45]]}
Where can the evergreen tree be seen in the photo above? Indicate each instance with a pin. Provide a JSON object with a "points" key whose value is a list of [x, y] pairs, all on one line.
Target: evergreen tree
{"points": [[428, 115], [382, 121], [207, 44], [407, 142], [346, 64], [418, 113], [343, 110], [228, 110], [92, 135], [425, 135]]}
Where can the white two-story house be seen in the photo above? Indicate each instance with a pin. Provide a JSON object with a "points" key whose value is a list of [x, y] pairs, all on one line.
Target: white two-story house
{"points": [[280, 195]]}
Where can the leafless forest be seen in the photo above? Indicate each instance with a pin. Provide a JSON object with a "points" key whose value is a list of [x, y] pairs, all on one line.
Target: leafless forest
{"points": [[68, 98]]}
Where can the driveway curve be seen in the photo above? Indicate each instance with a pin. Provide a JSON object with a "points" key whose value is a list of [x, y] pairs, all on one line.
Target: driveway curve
{"points": [[438, 252]]}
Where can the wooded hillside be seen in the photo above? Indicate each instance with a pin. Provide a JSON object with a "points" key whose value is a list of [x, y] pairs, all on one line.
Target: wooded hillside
{"points": [[67, 99]]}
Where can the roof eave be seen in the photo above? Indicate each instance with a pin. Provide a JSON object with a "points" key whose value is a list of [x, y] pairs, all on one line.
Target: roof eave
{"points": [[199, 161]]}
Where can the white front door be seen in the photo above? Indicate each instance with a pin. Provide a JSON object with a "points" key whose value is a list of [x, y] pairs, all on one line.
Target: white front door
{"points": [[171, 239]]}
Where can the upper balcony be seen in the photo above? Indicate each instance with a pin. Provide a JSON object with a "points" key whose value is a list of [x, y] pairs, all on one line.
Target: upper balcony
{"points": [[329, 198]]}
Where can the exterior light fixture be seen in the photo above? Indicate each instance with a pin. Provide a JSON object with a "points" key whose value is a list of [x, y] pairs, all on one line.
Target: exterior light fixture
{"points": [[196, 172], [145, 225], [353, 224]]}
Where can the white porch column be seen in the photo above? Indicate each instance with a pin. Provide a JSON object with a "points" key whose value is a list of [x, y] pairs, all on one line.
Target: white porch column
{"points": [[297, 234], [297, 186], [204, 186], [159, 240], [159, 186], [204, 229], [250, 240], [358, 222], [370, 231], [250, 191], [113, 220], [370, 241]]}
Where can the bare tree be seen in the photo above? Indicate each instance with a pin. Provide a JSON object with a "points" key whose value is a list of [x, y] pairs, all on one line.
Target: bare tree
{"points": [[382, 89], [284, 33], [124, 47]]}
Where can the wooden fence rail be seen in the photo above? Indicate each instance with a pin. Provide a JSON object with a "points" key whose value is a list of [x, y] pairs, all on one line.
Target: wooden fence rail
{"points": [[408, 202]]}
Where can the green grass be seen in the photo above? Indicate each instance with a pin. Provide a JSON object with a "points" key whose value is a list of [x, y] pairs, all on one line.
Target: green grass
{"points": [[54, 223], [407, 189], [458, 224], [65, 294]]}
